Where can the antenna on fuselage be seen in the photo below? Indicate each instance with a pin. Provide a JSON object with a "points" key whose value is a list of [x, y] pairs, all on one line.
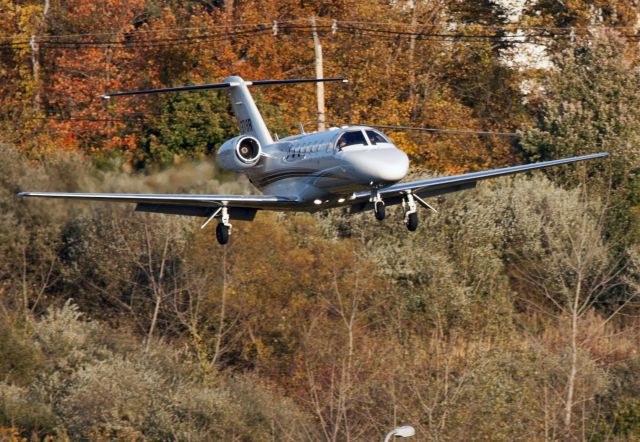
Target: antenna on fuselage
{"points": [[301, 126]]}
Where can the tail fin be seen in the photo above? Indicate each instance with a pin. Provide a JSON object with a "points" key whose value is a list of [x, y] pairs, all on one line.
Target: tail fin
{"points": [[250, 121]]}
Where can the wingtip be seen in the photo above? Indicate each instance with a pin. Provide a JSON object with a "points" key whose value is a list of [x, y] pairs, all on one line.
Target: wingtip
{"points": [[105, 96]]}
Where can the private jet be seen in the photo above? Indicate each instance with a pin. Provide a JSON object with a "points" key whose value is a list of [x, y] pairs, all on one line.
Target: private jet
{"points": [[354, 166]]}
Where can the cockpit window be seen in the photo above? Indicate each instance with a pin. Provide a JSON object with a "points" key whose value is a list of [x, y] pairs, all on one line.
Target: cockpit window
{"points": [[376, 137], [351, 138]]}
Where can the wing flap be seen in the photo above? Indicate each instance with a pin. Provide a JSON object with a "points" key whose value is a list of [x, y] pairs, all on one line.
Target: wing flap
{"points": [[235, 213]]}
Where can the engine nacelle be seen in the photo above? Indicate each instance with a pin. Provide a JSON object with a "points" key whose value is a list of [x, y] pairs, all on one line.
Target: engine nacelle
{"points": [[239, 153]]}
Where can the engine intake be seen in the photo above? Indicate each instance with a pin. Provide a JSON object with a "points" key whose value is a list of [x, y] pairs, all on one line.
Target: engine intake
{"points": [[248, 150], [239, 153]]}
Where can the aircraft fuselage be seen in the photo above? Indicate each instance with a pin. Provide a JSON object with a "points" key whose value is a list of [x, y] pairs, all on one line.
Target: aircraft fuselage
{"points": [[314, 168]]}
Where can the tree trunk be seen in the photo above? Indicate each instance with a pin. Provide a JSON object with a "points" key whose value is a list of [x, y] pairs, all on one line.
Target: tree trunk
{"points": [[573, 369], [412, 55], [35, 58], [223, 303], [154, 319]]}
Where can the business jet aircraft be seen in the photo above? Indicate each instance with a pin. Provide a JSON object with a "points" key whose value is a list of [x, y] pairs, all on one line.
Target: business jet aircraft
{"points": [[352, 166]]}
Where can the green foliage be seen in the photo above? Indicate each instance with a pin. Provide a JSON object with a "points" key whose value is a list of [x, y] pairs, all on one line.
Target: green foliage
{"points": [[96, 387], [622, 415], [21, 359], [188, 126], [592, 104], [363, 315], [20, 408]]}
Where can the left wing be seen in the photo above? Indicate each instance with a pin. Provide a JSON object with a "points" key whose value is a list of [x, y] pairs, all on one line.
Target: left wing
{"points": [[241, 206], [439, 186]]}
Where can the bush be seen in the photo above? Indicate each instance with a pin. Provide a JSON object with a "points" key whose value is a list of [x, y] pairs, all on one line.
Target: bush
{"points": [[94, 384]]}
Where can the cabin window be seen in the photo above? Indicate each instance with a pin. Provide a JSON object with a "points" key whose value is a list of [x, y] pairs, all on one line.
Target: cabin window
{"points": [[351, 138], [376, 137]]}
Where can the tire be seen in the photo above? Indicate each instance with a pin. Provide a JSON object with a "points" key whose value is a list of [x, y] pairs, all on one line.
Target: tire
{"points": [[222, 234], [379, 210], [412, 222]]}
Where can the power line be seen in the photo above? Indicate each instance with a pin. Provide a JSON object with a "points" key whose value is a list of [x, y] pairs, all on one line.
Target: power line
{"points": [[508, 27], [130, 38], [80, 44], [154, 31]]}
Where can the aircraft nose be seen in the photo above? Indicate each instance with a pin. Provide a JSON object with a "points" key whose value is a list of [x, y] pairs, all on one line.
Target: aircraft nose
{"points": [[381, 165]]}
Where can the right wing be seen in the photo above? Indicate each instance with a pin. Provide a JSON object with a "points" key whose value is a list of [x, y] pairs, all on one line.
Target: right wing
{"points": [[447, 184]]}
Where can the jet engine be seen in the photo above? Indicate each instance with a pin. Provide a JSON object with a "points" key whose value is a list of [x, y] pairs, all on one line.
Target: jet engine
{"points": [[239, 153]]}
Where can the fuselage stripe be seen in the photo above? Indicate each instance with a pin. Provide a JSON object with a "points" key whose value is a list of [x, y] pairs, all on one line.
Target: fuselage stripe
{"points": [[270, 179]]}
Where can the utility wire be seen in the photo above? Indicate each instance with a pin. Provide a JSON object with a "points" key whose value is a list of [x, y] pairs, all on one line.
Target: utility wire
{"points": [[130, 39], [508, 27]]}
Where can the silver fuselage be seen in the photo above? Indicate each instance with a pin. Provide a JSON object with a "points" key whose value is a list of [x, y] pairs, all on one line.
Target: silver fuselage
{"points": [[313, 169]]}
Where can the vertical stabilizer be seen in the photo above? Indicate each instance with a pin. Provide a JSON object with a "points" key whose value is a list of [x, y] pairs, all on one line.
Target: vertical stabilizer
{"points": [[250, 121]]}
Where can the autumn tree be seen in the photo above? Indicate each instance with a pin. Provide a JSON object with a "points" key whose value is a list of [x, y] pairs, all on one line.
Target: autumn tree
{"points": [[591, 104]]}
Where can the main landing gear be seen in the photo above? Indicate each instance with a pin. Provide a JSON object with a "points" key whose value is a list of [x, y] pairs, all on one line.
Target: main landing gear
{"points": [[223, 229], [409, 204], [222, 233], [410, 213], [379, 210]]}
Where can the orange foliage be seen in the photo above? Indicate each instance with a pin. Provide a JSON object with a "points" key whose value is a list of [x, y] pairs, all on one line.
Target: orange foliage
{"points": [[127, 45]]}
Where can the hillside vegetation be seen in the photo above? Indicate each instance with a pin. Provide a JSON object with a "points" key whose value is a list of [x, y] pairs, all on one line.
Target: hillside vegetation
{"points": [[511, 314]]}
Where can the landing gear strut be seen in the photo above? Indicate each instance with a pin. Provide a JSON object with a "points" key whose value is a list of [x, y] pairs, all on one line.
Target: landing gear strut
{"points": [[223, 229], [378, 205], [411, 213]]}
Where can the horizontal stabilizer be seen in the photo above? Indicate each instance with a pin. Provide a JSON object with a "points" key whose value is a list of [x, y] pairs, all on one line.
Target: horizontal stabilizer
{"points": [[221, 86]]}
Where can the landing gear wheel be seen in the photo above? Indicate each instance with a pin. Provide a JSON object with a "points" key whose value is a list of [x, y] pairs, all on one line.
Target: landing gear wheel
{"points": [[222, 233], [412, 221], [379, 210]]}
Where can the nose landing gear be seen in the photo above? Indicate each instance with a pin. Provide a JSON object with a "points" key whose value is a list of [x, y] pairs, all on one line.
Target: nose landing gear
{"points": [[409, 204], [378, 205]]}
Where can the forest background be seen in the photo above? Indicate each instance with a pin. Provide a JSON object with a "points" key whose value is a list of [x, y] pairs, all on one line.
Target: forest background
{"points": [[512, 314]]}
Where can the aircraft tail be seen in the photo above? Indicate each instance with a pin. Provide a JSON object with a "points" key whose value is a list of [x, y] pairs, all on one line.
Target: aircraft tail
{"points": [[250, 120]]}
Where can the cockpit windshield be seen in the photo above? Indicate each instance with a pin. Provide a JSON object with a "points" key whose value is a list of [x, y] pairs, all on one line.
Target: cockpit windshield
{"points": [[376, 137], [351, 138]]}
